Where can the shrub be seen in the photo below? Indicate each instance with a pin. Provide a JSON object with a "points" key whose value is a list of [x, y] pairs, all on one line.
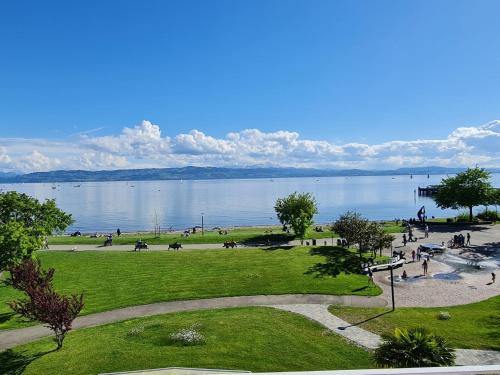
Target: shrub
{"points": [[462, 217], [413, 348], [444, 315], [488, 216], [188, 336], [136, 331]]}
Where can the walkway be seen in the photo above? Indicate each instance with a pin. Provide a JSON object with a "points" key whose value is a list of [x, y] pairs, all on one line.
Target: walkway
{"points": [[313, 306], [14, 337], [368, 340]]}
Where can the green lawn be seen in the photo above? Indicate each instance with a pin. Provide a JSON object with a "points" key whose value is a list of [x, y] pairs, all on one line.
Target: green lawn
{"points": [[113, 279], [256, 339], [250, 234], [474, 326]]}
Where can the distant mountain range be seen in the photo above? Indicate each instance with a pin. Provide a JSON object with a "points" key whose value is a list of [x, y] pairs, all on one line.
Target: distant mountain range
{"points": [[208, 173]]}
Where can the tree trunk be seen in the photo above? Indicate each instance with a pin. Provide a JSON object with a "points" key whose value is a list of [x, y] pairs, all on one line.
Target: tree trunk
{"points": [[470, 214]]}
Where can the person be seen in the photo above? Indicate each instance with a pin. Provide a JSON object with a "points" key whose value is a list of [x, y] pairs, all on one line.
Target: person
{"points": [[370, 276], [118, 232], [419, 256], [413, 255], [404, 239], [405, 275], [425, 267], [493, 277], [410, 235], [468, 239], [426, 231]]}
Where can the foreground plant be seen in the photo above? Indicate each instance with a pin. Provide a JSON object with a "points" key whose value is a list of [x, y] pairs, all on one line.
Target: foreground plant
{"points": [[43, 303], [415, 347]]}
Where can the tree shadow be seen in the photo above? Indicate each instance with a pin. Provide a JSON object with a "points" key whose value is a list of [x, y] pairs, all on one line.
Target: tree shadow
{"points": [[337, 260], [5, 317], [365, 320], [456, 227], [274, 248], [14, 362], [268, 239]]}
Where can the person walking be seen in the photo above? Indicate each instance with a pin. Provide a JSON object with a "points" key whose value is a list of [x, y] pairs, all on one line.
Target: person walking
{"points": [[468, 239], [413, 255], [118, 232], [425, 267], [404, 239], [493, 277], [370, 276], [426, 231]]}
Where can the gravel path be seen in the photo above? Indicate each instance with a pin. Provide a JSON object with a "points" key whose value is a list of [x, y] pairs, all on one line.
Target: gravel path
{"points": [[369, 340], [14, 337]]}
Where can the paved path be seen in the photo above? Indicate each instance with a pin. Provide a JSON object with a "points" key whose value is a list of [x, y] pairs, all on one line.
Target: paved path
{"points": [[14, 337], [369, 340]]}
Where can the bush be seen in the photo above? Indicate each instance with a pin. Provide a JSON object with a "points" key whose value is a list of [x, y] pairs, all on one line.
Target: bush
{"points": [[413, 348], [449, 220], [188, 336], [444, 315], [488, 216], [462, 217]]}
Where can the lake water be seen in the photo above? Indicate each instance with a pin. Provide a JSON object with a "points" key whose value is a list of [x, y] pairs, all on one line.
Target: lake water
{"points": [[132, 206]]}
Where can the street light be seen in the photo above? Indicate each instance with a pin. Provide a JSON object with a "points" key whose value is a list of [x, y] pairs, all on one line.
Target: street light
{"points": [[392, 288], [202, 228]]}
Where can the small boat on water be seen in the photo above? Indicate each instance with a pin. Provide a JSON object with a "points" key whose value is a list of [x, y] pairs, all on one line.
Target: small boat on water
{"points": [[54, 187], [77, 185]]}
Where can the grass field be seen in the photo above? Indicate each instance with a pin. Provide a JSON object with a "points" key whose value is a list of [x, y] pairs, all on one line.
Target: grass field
{"points": [[248, 235], [255, 339], [112, 279], [474, 326]]}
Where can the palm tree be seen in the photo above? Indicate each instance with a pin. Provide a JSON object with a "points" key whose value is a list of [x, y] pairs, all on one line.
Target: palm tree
{"points": [[415, 347]]}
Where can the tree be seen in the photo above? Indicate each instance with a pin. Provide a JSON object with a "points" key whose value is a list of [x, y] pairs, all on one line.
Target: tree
{"points": [[297, 211], [357, 230], [24, 223], [413, 348], [466, 190], [43, 303]]}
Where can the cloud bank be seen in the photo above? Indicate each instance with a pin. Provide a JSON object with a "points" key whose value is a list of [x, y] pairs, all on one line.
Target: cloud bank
{"points": [[144, 146]]}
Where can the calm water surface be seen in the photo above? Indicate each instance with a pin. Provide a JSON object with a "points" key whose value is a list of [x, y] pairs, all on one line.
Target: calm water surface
{"points": [[105, 206]]}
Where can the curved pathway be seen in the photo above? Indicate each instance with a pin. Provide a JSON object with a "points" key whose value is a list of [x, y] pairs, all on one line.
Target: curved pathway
{"points": [[14, 337], [369, 340]]}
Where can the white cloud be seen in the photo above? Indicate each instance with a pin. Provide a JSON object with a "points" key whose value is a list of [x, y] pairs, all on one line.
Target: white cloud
{"points": [[144, 146]]}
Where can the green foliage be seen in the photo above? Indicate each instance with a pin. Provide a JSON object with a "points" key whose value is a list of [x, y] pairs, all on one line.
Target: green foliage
{"points": [[488, 216], [24, 222], [466, 190], [356, 229], [413, 348], [16, 243], [297, 210]]}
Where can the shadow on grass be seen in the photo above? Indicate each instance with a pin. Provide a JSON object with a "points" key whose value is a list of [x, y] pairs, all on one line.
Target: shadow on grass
{"points": [[268, 239], [13, 362], [365, 320], [283, 247], [5, 317], [337, 260]]}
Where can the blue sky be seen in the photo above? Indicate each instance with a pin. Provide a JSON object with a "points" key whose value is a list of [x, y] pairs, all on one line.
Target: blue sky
{"points": [[74, 75]]}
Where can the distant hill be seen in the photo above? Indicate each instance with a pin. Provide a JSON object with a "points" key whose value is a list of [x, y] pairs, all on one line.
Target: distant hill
{"points": [[207, 173]]}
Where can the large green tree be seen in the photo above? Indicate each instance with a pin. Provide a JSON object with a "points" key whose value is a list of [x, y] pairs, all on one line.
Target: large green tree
{"points": [[297, 211], [466, 190], [24, 224], [357, 230]]}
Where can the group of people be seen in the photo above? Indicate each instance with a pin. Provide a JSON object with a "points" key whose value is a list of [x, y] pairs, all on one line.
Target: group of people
{"points": [[459, 240]]}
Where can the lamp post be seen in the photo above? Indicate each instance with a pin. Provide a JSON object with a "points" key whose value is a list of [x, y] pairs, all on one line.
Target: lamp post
{"points": [[202, 227], [392, 288]]}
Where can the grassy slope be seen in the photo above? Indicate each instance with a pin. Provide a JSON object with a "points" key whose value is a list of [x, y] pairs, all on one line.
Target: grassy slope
{"points": [[256, 339], [117, 279], [251, 234], [475, 326]]}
